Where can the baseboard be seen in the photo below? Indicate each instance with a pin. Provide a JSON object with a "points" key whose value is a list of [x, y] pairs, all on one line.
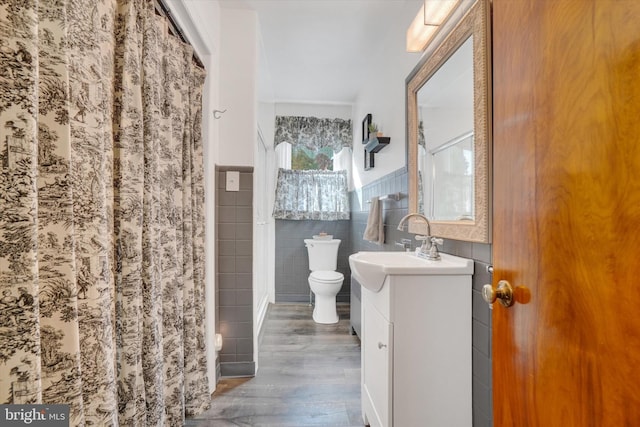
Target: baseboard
{"points": [[302, 298], [237, 369]]}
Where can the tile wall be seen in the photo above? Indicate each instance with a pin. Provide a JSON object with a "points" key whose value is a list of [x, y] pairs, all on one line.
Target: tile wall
{"points": [[482, 391], [392, 212], [480, 253], [234, 277]]}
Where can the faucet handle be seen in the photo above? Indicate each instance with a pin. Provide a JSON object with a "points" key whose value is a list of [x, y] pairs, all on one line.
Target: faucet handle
{"points": [[433, 251], [405, 243], [424, 248]]}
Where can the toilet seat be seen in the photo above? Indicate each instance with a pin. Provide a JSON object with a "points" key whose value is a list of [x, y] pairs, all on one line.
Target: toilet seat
{"points": [[326, 276]]}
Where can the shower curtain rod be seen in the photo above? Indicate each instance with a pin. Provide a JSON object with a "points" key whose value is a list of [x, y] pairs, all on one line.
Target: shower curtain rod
{"points": [[163, 10]]}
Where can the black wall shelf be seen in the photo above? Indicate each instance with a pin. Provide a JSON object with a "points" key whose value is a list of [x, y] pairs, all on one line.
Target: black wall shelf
{"points": [[377, 143]]}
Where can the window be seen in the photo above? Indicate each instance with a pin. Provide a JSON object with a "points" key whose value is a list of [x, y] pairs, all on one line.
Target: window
{"points": [[303, 158], [309, 185]]}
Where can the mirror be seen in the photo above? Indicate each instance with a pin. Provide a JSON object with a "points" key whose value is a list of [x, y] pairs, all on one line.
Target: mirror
{"points": [[449, 127]]}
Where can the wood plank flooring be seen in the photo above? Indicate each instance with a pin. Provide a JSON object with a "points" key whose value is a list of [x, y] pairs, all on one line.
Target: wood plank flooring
{"points": [[308, 375]]}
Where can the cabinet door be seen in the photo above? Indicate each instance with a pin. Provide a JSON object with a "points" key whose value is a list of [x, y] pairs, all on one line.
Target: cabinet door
{"points": [[376, 367]]}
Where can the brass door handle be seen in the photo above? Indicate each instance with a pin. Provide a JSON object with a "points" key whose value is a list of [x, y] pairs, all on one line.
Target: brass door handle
{"points": [[504, 293]]}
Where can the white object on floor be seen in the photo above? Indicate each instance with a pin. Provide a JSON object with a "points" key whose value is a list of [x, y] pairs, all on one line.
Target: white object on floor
{"points": [[324, 281]]}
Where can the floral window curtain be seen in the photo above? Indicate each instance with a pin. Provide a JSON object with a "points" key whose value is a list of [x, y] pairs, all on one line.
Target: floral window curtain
{"points": [[319, 195], [312, 194], [313, 133], [101, 213]]}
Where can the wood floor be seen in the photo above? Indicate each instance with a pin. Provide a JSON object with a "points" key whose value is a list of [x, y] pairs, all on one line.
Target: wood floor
{"points": [[309, 375]]}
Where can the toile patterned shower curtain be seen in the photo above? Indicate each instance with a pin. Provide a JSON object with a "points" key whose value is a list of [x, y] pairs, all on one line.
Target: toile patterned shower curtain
{"points": [[101, 213]]}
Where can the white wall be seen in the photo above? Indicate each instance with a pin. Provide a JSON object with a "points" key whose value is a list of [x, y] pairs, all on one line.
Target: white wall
{"points": [[383, 95], [266, 127], [238, 86], [264, 180], [266, 121]]}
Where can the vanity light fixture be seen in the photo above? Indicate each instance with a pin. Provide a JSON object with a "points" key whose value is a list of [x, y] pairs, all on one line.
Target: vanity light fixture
{"points": [[427, 22]]}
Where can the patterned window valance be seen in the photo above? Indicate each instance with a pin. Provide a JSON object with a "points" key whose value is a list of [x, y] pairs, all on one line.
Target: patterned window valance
{"points": [[313, 133]]}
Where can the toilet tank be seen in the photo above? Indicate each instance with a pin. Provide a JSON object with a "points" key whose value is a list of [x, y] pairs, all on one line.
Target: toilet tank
{"points": [[323, 254]]}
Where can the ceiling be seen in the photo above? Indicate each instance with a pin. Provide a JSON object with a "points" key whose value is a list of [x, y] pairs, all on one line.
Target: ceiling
{"points": [[316, 51]]}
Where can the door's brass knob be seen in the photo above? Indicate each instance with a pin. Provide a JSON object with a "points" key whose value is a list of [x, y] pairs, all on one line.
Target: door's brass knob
{"points": [[504, 293]]}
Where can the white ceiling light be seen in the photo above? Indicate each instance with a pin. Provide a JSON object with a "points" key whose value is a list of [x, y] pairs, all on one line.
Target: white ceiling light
{"points": [[427, 22]]}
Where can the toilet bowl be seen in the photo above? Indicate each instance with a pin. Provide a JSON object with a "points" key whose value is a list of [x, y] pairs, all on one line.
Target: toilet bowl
{"points": [[324, 281], [325, 285]]}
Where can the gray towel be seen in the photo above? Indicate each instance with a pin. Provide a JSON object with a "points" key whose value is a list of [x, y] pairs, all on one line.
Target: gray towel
{"points": [[375, 224]]}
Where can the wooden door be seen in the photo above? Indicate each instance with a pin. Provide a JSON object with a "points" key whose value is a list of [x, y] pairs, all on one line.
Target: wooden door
{"points": [[567, 212]]}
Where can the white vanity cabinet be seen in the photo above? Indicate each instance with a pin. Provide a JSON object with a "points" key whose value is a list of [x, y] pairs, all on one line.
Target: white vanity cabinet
{"points": [[416, 352]]}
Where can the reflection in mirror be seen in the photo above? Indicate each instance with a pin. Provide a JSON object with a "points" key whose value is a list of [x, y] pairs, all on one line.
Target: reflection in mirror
{"points": [[452, 187], [448, 131], [445, 127]]}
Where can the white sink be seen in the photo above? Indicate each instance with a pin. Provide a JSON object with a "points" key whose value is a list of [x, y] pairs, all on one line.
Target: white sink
{"points": [[372, 268]]}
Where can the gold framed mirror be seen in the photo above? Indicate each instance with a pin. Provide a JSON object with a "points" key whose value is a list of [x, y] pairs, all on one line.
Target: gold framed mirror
{"points": [[449, 132]]}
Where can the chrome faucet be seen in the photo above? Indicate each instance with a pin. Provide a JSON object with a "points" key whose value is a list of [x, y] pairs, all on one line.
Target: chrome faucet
{"points": [[424, 219], [429, 248]]}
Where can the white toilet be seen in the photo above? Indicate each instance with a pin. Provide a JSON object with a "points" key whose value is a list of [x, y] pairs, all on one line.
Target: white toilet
{"points": [[324, 281]]}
